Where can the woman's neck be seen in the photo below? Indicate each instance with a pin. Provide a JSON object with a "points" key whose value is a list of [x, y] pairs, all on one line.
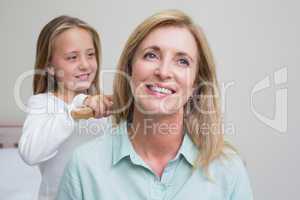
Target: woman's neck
{"points": [[157, 137]]}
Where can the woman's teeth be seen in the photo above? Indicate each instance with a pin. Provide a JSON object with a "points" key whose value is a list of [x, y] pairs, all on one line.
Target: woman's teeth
{"points": [[160, 90]]}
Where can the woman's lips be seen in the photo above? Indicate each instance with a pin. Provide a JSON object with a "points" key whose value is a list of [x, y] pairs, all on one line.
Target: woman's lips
{"points": [[158, 91]]}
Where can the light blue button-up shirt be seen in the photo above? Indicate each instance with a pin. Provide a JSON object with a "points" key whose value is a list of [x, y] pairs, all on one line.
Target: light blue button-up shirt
{"points": [[108, 168]]}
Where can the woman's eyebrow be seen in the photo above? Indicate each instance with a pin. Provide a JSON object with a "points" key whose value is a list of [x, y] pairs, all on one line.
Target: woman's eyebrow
{"points": [[154, 47], [157, 48]]}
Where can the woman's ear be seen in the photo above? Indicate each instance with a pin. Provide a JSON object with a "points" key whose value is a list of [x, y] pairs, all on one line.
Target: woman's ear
{"points": [[50, 69]]}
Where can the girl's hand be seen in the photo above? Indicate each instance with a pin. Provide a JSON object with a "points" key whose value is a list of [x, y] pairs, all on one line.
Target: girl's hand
{"points": [[100, 104], [96, 106]]}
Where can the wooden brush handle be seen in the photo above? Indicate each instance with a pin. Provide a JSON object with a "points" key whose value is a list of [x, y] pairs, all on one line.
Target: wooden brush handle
{"points": [[84, 112]]}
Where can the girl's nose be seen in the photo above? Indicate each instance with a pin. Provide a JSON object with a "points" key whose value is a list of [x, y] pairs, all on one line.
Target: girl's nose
{"points": [[84, 64]]}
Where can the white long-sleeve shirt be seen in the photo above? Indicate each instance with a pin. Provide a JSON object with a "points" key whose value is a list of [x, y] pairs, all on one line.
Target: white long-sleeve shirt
{"points": [[50, 135]]}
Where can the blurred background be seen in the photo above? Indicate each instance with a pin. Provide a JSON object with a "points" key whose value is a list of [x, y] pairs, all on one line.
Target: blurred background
{"points": [[256, 46]]}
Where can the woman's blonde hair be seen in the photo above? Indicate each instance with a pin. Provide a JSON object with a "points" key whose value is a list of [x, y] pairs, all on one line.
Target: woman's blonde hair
{"points": [[42, 81], [203, 107]]}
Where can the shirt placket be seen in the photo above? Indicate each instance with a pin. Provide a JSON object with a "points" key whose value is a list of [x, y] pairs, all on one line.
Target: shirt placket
{"points": [[159, 187]]}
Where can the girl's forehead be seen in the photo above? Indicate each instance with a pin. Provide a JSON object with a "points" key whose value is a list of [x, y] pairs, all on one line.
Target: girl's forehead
{"points": [[73, 39]]}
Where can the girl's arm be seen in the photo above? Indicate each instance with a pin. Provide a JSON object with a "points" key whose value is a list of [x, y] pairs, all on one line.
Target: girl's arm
{"points": [[46, 127]]}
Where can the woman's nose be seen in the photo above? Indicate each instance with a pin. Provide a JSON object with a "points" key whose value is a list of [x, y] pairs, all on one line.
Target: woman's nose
{"points": [[164, 71]]}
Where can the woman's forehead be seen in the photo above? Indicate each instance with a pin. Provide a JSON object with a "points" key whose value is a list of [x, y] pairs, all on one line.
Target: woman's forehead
{"points": [[178, 39]]}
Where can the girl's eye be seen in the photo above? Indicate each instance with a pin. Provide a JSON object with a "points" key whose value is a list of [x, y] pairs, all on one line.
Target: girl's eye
{"points": [[184, 61], [91, 55], [150, 56], [71, 58]]}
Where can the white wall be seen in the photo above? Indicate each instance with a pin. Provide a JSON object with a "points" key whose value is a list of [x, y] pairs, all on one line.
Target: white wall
{"points": [[250, 40]]}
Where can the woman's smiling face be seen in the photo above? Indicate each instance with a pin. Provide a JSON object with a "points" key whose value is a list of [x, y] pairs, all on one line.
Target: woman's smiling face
{"points": [[164, 68]]}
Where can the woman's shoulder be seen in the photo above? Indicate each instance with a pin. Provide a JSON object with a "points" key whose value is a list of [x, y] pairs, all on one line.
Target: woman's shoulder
{"points": [[230, 172], [229, 169], [97, 145], [229, 162], [99, 149]]}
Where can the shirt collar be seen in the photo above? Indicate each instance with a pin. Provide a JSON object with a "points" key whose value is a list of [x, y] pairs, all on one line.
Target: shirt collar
{"points": [[122, 146], [121, 143], [188, 149]]}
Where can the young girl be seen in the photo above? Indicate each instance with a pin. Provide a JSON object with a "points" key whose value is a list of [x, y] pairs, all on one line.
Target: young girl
{"points": [[67, 68]]}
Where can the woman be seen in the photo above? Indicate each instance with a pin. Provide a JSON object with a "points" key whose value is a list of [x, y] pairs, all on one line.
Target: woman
{"points": [[166, 141]]}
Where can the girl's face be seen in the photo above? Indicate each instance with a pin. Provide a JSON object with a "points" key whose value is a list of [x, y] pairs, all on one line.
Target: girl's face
{"points": [[73, 61], [164, 69]]}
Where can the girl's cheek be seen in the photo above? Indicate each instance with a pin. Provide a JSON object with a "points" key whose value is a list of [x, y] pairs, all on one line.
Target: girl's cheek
{"points": [[94, 66]]}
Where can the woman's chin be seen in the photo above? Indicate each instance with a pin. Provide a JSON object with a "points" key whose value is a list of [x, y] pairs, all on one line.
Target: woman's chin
{"points": [[157, 110]]}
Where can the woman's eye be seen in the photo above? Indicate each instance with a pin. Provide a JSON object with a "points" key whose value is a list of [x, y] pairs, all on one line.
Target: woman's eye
{"points": [[183, 61], [150, 56]]}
